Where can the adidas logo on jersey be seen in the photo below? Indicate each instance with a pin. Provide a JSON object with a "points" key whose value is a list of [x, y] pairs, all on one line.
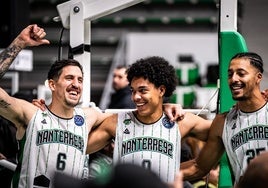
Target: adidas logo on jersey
{"points": [[234, 126], [126, 131], [44, 121]]}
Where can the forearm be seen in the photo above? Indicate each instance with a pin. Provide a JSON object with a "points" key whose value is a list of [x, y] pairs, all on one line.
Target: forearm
{"points": [[191, 171], [97, 139], [8, 55], [32, 35]]}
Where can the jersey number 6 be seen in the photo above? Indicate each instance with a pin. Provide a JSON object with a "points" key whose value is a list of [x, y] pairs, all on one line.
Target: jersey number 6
{"points": [[61, 161]]}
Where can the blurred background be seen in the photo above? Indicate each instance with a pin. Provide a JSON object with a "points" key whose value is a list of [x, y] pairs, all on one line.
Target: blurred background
{"points": [[182, 31]]}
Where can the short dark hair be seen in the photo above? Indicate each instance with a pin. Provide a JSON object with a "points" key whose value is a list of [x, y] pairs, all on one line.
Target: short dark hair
{"points": [[255, 59], [157, 70], [121, 67], [57, 66]]}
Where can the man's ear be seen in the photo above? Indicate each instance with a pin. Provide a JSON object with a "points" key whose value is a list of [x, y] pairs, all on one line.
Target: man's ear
{"points": [[162, 89], [260, 75], [51, 84]]}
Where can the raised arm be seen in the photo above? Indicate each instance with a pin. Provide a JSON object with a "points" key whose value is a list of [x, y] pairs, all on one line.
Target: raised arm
{"points": [[30, 36], [16, 110], [209, 155]]}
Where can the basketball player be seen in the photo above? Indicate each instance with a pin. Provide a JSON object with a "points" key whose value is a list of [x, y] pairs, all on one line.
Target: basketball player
{"points": [[54, 139], [242, 132], [146, 136]]}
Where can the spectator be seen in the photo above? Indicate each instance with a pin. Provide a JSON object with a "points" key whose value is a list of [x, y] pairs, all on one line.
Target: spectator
{"points": [[121, 98]]}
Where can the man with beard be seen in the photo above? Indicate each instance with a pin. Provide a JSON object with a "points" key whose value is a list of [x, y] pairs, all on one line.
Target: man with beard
{"points": [[243, 131], [54, 139]]}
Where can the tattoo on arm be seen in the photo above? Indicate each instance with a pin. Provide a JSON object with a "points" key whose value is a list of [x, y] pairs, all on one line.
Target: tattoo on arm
{"points": [[7, 57], [3, 104]]}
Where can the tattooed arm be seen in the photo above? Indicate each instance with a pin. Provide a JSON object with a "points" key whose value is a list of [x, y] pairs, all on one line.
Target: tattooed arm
{"points": [[30, 36]]}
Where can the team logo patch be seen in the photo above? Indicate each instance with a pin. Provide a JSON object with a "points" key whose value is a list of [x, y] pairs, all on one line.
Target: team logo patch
{"points": [[44, 114], [79, 120], [127, 121], [168, 124]]}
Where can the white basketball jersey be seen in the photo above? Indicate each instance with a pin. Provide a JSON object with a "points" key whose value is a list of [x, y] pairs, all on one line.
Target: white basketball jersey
{"points": [[154, 146], [245, 135], [52, 144]]}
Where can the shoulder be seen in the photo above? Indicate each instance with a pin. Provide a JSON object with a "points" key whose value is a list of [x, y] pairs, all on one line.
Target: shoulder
{"points": [[190, 121], [28, 107], [94, 116], [190, 118], [221, 117], [92, 112], [112, 117], [27, 112], [109, 124]]}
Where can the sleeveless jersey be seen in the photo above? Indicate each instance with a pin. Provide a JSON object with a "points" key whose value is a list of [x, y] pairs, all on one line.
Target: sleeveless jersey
{"points": [[52, 144], [245, 135], [154, 146]]}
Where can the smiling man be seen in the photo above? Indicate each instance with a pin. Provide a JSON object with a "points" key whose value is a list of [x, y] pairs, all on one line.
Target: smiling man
{"points": [[242, 132], [146, 137], [54, 139]]}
